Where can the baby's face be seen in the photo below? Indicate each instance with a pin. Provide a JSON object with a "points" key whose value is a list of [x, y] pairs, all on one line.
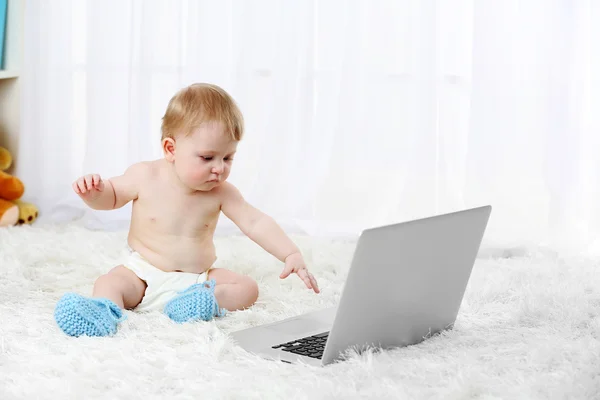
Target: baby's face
{"points": [[203, 159]]}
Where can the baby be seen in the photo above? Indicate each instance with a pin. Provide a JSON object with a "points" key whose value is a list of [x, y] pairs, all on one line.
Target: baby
{"points": [[177, 201]]}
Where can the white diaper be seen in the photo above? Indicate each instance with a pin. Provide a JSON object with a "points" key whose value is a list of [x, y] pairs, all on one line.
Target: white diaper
{"points": [[162, 286]]}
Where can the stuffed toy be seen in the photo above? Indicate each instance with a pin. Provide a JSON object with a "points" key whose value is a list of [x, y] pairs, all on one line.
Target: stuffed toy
{"points": [[13, 211]]}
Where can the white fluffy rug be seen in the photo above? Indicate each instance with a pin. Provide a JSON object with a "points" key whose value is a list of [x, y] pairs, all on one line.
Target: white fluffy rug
{"points": [[529, 328]]}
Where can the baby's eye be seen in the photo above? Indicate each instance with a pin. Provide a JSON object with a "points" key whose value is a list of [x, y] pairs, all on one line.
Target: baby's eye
{"points": [[206, 158], [228, 159]]}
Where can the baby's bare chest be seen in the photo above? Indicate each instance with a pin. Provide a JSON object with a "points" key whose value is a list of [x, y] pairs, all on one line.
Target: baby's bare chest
{"points": [[169, 212]]}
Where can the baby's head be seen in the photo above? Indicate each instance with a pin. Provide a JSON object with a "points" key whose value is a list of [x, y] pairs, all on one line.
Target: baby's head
{"points": [[200, 132]]}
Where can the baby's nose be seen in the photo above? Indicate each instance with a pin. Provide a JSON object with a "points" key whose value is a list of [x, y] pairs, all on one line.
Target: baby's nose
{"points": [[218, 168]]}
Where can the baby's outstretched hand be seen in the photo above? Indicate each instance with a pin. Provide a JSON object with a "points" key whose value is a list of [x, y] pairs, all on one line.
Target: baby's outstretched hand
{"points": [[295, 263], [89, 186]]}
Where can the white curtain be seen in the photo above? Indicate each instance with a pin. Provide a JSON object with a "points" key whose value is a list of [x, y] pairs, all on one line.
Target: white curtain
{"points": [[359, 113]]}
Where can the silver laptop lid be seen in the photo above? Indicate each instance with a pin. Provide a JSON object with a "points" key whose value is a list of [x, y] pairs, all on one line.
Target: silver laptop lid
{"points": [[406, 281]]}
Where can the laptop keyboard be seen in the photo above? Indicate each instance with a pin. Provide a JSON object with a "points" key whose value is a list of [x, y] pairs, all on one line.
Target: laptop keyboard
{"points": [[311, 346]]}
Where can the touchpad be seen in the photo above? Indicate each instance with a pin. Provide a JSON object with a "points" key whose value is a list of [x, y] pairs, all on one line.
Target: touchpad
{"points": [[296, 326]]}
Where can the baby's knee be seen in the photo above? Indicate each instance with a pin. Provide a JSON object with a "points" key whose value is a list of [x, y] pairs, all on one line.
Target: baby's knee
{"points": [[106, 280], [251, 288], [117, 277]]}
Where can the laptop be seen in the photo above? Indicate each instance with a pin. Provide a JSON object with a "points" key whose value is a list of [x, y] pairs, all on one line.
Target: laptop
{"points": [[406, 282]]}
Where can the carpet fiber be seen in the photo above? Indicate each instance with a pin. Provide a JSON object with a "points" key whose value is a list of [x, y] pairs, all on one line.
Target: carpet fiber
{"points": [[529, 327]]}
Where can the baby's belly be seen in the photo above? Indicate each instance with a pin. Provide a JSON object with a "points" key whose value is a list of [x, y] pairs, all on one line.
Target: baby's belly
{"points": [[169, 254]]}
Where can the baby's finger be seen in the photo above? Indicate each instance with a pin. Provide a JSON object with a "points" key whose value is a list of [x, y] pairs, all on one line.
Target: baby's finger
{"points": [[81, 185], [96, 180], [286, 272], [76, 188], [303, 274], [88, 182], [307, 282], [314, 284]]}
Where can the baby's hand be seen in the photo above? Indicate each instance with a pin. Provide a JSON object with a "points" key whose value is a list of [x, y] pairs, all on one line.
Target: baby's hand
{"points": [[295, 263], [89, 186]]}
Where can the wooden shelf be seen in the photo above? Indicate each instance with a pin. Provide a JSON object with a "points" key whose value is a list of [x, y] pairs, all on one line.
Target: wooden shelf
{"points": [[8, 74], [10, 82]]}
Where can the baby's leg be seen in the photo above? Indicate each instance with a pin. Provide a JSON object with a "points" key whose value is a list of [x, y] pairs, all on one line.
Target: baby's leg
{"points": [[232, 290], [122, 286]]}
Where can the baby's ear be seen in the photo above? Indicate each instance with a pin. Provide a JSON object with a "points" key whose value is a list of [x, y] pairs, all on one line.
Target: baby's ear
{"points": [[168, 145]]}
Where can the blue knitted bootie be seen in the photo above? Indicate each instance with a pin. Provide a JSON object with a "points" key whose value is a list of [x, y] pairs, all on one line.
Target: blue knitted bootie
{"points": [[77, 315], [197, 302]]}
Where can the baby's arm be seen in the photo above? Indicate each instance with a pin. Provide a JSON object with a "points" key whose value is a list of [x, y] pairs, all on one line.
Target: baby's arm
{"points": [[257, 225], [113, 193], [263, 230]]}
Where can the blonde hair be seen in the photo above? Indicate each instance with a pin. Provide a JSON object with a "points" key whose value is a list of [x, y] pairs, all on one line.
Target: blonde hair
{"points": [[198, 103]]}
